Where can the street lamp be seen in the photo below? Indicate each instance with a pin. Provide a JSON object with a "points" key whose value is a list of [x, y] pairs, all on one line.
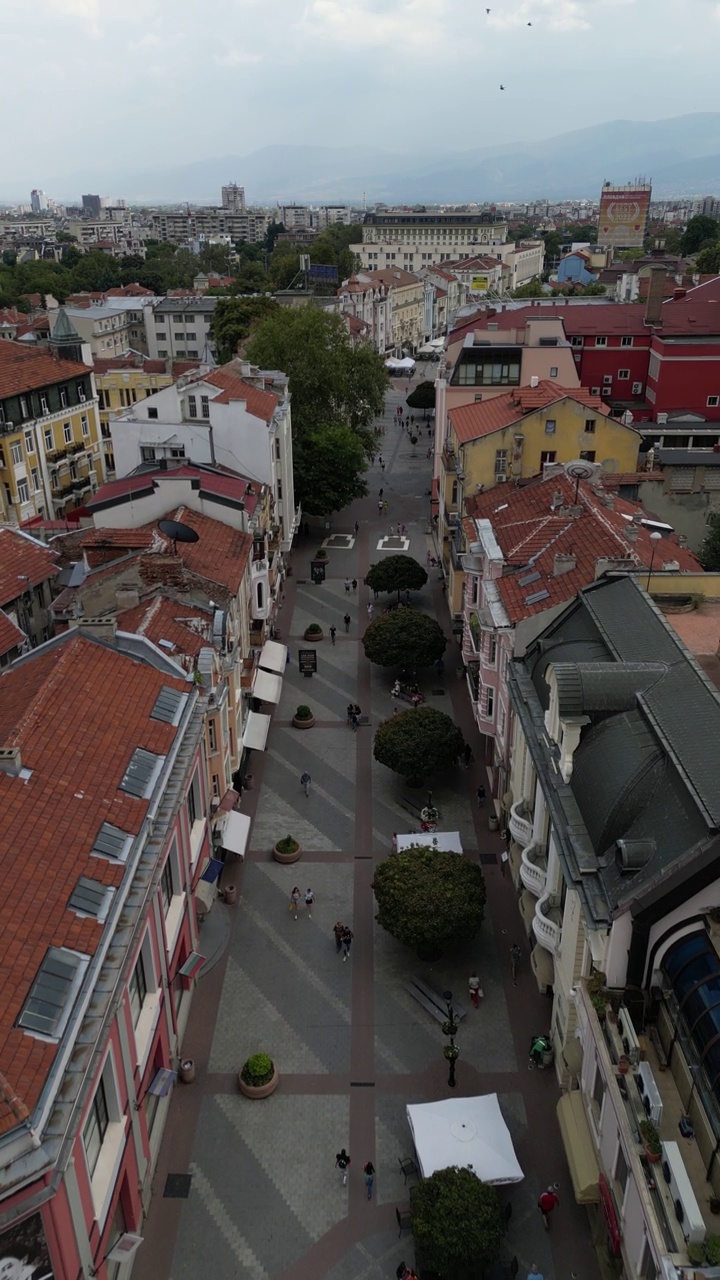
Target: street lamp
{"points": [[654, 538], [451, 1051]]}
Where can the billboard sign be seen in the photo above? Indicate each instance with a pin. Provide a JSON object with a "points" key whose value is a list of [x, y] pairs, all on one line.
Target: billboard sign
{"points": [[479, 284], [307, 661], [623, 216], [24, 1252], [318, 272]]}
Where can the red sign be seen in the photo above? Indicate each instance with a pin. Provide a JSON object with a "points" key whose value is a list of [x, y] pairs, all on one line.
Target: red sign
{"points": [[609, 1214]]}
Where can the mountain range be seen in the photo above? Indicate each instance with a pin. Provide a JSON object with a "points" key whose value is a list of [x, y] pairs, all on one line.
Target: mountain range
{"points": [[681, 155]]}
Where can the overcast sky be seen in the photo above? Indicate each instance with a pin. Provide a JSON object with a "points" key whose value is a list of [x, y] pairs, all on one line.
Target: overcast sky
{"points": [[101, 87]]}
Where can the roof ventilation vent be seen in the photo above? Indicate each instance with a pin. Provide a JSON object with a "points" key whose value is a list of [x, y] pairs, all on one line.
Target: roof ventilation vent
{"points": [[633, 855]]}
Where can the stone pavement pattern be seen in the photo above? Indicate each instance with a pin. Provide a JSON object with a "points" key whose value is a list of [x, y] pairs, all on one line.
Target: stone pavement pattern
{"points": [[353, 1048]]}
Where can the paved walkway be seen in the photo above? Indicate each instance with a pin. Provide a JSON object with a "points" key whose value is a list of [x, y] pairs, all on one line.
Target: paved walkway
{"points": [[353, 1048]]}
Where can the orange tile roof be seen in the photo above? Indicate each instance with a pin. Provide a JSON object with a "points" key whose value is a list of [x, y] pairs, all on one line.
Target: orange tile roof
{"points": [[161, 618], [261, 404], [24, 563], [471, 421], [76, 710], [11, 637], [220, 555], [530, 534], [24, 368]]}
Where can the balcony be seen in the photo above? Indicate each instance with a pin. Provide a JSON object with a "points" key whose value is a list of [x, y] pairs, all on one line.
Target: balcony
{"points": [[533, 869], [547, 923], [520, 824]]}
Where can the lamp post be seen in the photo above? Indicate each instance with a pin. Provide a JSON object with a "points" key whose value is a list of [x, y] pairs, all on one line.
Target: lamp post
{"points": [[654, 538], [451, 1051]]}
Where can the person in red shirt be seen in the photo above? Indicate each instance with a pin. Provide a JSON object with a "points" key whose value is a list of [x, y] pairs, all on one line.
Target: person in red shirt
{"points": [[546, 1204]]}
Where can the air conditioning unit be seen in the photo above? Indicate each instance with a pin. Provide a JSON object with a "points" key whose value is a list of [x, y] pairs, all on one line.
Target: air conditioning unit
{"points": [[687, 1210], [649, 1092], [637, 388], [628, 1036]]}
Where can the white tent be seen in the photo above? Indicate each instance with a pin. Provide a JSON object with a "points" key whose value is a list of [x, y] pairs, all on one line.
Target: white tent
{"points": [[448, 841], [469, 1133], [400, 365]]}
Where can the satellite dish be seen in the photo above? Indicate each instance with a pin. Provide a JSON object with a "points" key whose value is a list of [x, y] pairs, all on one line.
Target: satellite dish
{"points": [[178, 532], [581, 470]]}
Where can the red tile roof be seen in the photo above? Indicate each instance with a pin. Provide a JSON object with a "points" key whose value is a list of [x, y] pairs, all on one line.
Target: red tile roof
{"points": [[213, 480], [471, 421], [24, 368], [161, 618], [530, 534], [11, 637], [261, 404], [76, 710], [24, 563], [129, 291]]}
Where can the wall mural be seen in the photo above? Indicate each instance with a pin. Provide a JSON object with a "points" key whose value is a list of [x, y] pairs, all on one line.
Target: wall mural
{"points": [[24, 1253]]}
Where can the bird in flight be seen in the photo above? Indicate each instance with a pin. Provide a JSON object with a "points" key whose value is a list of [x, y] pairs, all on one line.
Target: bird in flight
{"points": [[502, 86], [529, 24], [487, 10]]}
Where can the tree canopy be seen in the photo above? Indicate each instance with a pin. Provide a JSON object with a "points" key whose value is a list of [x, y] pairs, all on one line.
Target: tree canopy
{"points": [[456, 1223], [422, 396], [418, 742], [328, 464], [404, 637], [709, 553], [699, 232], [233, 321], [531, 289], [428, 898], [708, 259], [396, 573]]}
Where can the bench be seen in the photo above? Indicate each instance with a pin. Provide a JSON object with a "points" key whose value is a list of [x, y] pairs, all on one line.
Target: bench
{"points": [[657, 1046], [432, 1000]]}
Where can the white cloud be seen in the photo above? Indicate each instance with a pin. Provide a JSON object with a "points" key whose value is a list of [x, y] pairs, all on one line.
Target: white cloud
{"points": [[558, 15], [237, 58], [396, 26]]}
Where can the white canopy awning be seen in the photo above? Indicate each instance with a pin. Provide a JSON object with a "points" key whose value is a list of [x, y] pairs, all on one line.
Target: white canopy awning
{"points": [[468, 1132], [257, 727], [406, 363], [273, 656], [235, 833], [266, 686], [448, 841]]}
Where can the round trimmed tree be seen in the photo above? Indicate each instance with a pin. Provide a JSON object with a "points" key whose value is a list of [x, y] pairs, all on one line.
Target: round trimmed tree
{"points": [[418, 742], [422, 397], [456, 1223], [396, 573], [404, 637], [429, 898]]}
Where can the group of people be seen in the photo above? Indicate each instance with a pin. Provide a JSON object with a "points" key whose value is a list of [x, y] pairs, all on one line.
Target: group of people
{"points": [[343, 938], [353, 714], [295, 897], [343, 1162]]}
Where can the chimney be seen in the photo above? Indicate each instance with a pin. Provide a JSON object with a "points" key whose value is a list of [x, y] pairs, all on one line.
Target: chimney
{"points": [[245, 369], [631, 533], [534, 380], [678, 293], [103, 627], [127, 597], [557, 499], [10, 761], [655, 295], [563, 562], [608, 500]]}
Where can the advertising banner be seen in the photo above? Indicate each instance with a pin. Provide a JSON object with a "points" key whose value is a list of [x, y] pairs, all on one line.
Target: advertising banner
{"points": [[307, 661], [623, 217], [479, 284], [24, 1252]]}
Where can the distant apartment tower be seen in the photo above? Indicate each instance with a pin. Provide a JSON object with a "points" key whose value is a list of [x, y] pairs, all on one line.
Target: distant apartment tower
{"points": [[623, 215], [294, 217], [38, 200], [233, 198], [91, 206]]}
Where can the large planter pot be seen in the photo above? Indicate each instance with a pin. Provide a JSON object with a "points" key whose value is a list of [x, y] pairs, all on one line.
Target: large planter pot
{"points": [[652, 1157], [286, 857], [259, 1090], [303, 724], [315, 635]]}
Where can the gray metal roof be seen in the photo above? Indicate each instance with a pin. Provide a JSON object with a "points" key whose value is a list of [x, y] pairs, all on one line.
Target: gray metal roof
{"points": [[687, 457]]}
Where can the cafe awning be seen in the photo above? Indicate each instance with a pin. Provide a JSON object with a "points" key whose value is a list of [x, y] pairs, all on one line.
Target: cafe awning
{"points": [[256, 731], [273, 656], [579, 1147], [235, 833], [266, 686]]}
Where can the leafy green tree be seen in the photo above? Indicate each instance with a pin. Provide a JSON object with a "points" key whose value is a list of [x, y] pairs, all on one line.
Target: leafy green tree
{"points": [[330, 380], [328, 465], [709, 553], [422, 397], [699, 231], [272, 233], [708, 260], [553, 244], [531, 289], [673, 239], [429, 898], [592, 290], [456, 1223], [586, 233], [404, 637], [396, 573], [418, 742], [233, 321]]}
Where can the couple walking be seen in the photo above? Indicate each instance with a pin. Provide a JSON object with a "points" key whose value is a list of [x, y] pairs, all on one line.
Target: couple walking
{"points": [[343, 938], [343, 1162]]}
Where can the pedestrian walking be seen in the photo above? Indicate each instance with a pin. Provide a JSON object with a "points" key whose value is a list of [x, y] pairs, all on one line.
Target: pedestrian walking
{"points": [[467, 754], [294, 900], [346, 620], [535, 1273], [404, 530], [475, 989], [347, 938], [353, 722], [305, 781], [338, 930], [480, 796], [386, 506], [369, 1175], [370, 609], [412, 419], [380, 493], [429, 452], [547, 1203], [343, 1162], [333, 633], [356, 527], [309, 899], [307, 529], [382, 464], [354, 584], [347, 584], [429, 558], [349, 710]]}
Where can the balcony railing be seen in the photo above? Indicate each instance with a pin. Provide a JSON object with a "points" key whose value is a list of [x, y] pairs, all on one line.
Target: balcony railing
{"points": [[533, 869], [520, 824], [547, 923]]}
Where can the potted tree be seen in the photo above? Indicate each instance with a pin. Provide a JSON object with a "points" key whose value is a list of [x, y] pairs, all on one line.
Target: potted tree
{"points": [[321, 553], [651, 1138], [314, 632], [259, 1076], [457, 1223], [303, 718], [405, 882], [286, 850]]}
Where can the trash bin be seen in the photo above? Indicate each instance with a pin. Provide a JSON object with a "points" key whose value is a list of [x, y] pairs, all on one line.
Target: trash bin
{"points": [[493, 822]]}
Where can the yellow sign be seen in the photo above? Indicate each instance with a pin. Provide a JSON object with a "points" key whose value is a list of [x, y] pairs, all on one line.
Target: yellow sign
{"points": [[480, 284]]}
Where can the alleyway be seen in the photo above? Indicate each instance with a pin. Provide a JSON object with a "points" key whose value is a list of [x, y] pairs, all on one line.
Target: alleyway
{"points": [[352, 1046]]}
